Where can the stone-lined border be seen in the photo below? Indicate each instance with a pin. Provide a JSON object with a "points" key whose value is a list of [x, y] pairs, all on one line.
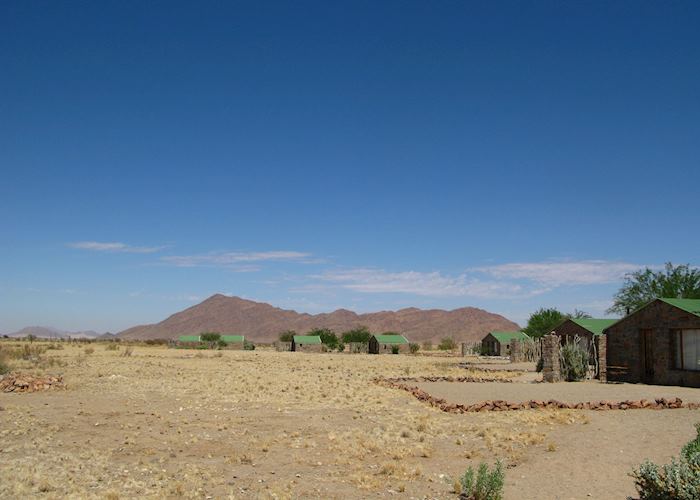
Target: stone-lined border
{"points": [[500, 405]]}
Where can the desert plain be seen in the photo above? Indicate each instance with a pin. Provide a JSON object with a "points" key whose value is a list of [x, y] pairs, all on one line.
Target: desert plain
{"points": [[180, 423]]}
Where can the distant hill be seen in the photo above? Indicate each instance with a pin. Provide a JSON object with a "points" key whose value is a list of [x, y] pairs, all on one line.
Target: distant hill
{"points": [[262, 322], [47, 332]]}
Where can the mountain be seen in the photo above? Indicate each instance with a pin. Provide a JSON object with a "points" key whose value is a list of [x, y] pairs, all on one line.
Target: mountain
{"points": [[47, 332], [262, 322]]}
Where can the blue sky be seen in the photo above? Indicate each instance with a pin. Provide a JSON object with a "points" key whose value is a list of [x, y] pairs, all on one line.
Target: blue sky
{"points": [[318, 155]]}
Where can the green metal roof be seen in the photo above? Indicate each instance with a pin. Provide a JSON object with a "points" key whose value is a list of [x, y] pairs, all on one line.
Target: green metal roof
{"points": [[689, 305], [594, 325], [307, 339], [189, 338], [508, 336], [391, 339], [233, 339]]}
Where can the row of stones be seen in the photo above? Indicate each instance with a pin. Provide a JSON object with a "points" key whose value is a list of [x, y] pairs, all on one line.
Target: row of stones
{"points": [[500, 405]]}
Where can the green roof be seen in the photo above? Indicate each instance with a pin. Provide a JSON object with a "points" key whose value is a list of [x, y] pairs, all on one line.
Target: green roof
{"points": [[188, 338], [232, 339], [391, 339], [593, 325], [689, 305], [307, 339], [508, 336]]}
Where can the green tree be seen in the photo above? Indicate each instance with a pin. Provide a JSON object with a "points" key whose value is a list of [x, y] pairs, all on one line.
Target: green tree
{"points": [[643, 286], [359, 334], [447, 344], [287, 336], [543, 321], [328, 337], [210, 337]]}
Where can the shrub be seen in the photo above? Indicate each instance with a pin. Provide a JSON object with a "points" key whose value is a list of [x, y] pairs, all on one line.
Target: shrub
{"points": [[447, 344], [340, 347], [678, 480], [414, 348], [210, 337], [328, 337], [394, 349], [483, 484], [111, 347], [360, 334], [54, 346], [248, 345], [427, 345], [287, 336], [573, 359], [128, 350], [89, 350]]}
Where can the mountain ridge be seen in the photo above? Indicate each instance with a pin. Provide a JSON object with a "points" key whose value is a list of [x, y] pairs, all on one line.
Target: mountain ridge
{"points": [[262, 322]]}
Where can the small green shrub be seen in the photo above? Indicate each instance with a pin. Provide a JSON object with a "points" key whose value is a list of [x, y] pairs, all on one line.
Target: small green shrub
{"points": [[248, 345], [679, 480], [483, 484], [447, 344], [414, 348], [394, 349], [574, 361]]}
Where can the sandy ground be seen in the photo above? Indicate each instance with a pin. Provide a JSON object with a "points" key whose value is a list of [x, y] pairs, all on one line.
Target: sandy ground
{"points": [[568, 392], [173, 423]]}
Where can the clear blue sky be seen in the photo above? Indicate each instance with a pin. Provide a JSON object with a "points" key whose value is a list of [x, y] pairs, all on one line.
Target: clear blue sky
{"points": [[317, 155]]}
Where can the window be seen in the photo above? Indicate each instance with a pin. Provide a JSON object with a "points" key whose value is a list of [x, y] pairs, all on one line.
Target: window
{"points": [[687, 349]]}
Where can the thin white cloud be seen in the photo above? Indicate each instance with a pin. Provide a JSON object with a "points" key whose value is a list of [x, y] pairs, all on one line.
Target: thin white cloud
{"points": [[432, 284], [506, 281], [566, 273], [238, 261], [113, 247]]}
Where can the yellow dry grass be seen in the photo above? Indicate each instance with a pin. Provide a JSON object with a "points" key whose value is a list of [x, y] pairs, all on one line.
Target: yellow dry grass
{"points": [[262, 424]]}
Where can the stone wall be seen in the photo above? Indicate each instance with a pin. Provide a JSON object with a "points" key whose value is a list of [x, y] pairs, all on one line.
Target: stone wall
{"points": [[551, 370], [601, 350], [517, 351]]}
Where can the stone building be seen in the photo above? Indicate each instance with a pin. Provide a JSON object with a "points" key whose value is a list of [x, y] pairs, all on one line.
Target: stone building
{"points": [[307, 343], [235, 342], [498, 343], [658, 344], [388, 344]]}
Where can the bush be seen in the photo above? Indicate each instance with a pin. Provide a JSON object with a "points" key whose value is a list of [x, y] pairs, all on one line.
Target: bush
{"points": [[447, 344], [484, 484], [394, 349], [89, 350], [427, 345], [678, 480], [360, 334], [340, 347], [210, 337], [414, 348], [248, 345], [111, 347], [328, 337], [574, 361], [287, 336], [126, 353]]}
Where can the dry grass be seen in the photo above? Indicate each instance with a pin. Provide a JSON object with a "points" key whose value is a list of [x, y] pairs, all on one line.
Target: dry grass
{"points": [[174, 423]]}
